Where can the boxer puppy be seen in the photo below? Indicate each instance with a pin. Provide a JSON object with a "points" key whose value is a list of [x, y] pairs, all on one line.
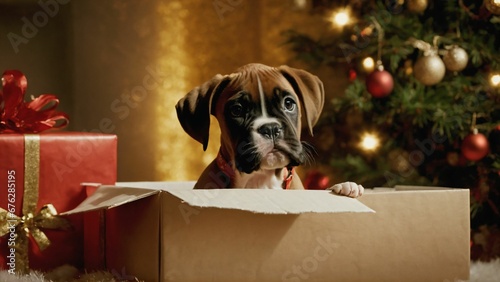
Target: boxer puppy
{"points": [[260, 110]]}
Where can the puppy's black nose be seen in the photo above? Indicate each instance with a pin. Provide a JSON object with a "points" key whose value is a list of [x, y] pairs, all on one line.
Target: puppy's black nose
{"points": [[270, 130]]}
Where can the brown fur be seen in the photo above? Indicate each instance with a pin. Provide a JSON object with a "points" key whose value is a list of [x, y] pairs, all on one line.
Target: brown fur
{"points": [[209, 98]]}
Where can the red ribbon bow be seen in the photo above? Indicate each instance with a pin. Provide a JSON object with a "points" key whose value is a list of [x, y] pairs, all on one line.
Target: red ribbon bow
{"points": [[34, 116]]}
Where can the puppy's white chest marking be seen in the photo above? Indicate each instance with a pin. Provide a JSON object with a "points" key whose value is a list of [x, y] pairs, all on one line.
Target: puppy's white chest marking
{"points": [[264, 179]]}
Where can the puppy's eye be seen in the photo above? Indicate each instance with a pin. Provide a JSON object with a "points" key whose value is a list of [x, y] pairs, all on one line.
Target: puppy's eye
{"points": [[289, 104], [236, 110]]}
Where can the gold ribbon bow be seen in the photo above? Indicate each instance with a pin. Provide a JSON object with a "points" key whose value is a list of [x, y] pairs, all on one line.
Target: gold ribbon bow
{"points": [[30, 222], [427, 48]]}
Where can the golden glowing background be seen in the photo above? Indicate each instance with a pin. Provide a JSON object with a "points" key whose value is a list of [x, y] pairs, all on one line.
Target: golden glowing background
{"points": [[120, 67]]}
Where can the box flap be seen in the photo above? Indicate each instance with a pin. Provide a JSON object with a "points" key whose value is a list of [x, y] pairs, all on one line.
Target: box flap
{"points": [[158, 185], [420, 188], [106, 197], [270, 201], [408, 188]]}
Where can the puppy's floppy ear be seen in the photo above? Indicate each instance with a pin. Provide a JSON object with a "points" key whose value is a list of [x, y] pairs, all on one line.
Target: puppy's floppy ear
{"points": [[310, 90], [194, 109]]}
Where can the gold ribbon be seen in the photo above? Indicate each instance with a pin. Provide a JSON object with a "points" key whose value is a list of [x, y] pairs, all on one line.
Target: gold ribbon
{"points": [[30, 222], [428, 49]]}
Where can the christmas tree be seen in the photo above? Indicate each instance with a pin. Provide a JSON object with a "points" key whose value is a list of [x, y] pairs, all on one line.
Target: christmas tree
{"points": [[423, 103]]}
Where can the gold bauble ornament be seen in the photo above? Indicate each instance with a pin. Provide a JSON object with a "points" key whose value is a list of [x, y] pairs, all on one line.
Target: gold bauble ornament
{"points": [[408, 67], [429, 69], [417, 6], [455, 59], [493, 6]]}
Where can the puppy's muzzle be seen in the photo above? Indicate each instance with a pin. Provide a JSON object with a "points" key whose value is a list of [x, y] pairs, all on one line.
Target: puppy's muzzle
{"points": [[271, 130]]}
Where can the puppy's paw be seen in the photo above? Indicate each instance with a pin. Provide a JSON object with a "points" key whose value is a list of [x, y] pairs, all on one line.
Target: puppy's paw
{"points": [[349, 189]]}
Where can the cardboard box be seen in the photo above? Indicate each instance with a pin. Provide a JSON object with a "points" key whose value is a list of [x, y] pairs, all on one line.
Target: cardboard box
{"points": [[180, 234], [63, 161]]}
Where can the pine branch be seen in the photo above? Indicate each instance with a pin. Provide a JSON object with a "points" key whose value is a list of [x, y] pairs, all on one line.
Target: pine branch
{"points": [[412, 113]]}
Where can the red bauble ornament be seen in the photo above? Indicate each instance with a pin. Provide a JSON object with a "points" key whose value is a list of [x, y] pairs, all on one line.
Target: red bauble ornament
{"points": [[379, 83], [316, 180], [475, 146], [352, 75]]}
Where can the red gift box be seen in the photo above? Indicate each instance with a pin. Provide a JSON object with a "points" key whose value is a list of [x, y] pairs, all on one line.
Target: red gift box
{"points": [[66, 159]]}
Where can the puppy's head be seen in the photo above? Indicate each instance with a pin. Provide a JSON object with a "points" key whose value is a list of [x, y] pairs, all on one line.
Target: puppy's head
{"points": [[260, 110]]}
